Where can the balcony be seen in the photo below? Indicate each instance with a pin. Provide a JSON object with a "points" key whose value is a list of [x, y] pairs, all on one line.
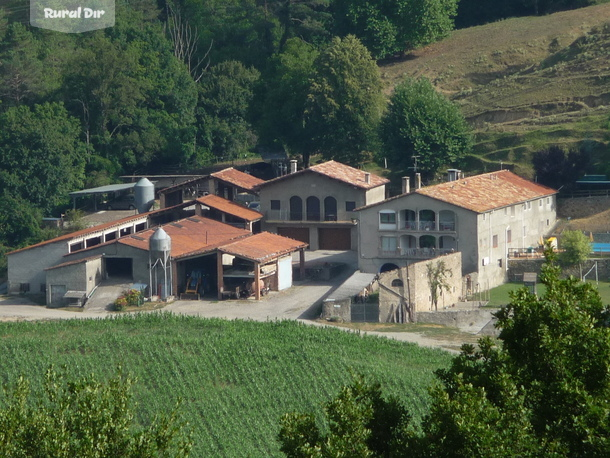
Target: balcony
{"points": [[448, 226], [285, 215], [415, 253]]}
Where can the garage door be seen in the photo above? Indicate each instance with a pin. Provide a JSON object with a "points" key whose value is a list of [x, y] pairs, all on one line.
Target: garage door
{"points": [[297, 233], [335, 238]]}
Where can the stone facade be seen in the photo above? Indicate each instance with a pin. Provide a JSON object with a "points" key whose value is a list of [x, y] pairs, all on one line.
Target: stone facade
{"points": [[405, 292]]}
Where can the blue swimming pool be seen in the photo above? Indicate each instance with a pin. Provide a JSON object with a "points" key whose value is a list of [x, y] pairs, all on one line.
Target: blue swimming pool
{"points": [[601, 247]]}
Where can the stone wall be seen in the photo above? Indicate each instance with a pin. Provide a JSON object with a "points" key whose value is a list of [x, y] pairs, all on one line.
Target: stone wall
{"points": [[405, 292]]}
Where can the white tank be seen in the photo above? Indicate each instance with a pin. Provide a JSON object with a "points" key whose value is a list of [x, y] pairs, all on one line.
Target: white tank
{"points": [[160, 243], [145, 195]]}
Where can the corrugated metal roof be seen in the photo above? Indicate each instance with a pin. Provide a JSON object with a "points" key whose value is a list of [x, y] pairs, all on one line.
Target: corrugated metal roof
{"points": [[103, 189], [189, 236], [340, 172], [262, 247], [237, 178], [230, 208]]}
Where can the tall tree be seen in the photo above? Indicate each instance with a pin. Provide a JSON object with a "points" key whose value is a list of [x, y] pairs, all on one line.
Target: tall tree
{"points": [[388, 27], [422, 122], [557, 168], [41, 157], [344, 102], [225, 95], [280, 113], [576, 248]]}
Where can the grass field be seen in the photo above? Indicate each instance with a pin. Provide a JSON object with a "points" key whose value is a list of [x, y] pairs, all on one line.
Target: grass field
{"points": [[236, 377], [524, 84], [500, 296]]}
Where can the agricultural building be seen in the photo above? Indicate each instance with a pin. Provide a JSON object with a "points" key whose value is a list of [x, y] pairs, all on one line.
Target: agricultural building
{"points": [[316, 205], [71, 266]]}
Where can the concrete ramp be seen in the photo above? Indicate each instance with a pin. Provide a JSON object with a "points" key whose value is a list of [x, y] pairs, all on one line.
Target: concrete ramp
{"points": [[352, 286], [106, 293]]}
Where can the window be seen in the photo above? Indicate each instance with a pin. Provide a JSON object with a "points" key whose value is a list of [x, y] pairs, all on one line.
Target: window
{"points": [[548, 200], [313, 208], [548, 222], [24, 287], [509, 236], [275, 205], [330, 209], [43, 287], [512, 211], [529, 205], [397, 283], [387, 218], [495, 241], [296, 208], [388, 244], [350, 205], [76, 246], [540, 203], [506, 210], [484, 216]]}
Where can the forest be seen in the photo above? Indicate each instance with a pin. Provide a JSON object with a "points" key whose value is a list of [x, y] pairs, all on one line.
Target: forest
{"points": [[181, 84]]}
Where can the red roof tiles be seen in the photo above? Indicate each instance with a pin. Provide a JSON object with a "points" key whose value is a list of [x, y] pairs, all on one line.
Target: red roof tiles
{"points": [[237, 178], [486, 192], [189, 236], [262, 247], [230, 208], [340, 172]]}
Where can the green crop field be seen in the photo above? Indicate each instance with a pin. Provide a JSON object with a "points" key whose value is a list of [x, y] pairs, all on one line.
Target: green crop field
{"points": [[236, 378]]}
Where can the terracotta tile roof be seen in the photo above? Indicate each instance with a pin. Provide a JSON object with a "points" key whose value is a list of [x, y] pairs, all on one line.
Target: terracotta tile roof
{"points": [[262, 247], [89, 230], [104, 226], [237, 178], [76, 261], [231, 208], [189, 236], [488, 191], [481, 193], [340, 172]]}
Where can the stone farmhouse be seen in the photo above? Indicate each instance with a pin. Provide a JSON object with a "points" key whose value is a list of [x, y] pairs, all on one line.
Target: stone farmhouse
{"points": [[485, 217], [316, 205]]}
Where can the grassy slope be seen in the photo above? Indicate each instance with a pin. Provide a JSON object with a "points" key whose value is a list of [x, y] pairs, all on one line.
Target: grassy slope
{"points": [[236, 378], [524, 83]]}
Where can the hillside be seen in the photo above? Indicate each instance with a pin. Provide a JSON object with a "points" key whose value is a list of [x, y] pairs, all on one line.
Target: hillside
{"points": [[524, 83]]}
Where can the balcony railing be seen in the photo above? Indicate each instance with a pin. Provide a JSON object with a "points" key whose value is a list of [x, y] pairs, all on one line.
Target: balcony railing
{"points": [[415, 253], [285, 215], [429, 226]]}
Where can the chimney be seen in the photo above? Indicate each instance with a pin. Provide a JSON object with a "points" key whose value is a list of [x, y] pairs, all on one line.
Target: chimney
{"points": [[418, 180], [406, 185], [453, 174], [367, 177], [293, 165]]}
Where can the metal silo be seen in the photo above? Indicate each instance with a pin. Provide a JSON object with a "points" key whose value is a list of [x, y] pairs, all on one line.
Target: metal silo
{"points": [[145, 195], [159, 249]]}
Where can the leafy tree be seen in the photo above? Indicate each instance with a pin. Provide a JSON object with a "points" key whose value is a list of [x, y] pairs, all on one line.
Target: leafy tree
{"points": [[421, 122], [388, 27], [282, 98], [21, 68], [542, 392], [361, 423], [41, 158], [84, 417], [576, 248], [226, 92], [437, 274], [557, 168], [344, 102], [19, 221]]}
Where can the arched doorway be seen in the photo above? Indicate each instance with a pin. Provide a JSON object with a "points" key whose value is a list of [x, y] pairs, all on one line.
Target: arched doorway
{"points": [[387, 267], [296, 208], [313, 208], [330, 209]]}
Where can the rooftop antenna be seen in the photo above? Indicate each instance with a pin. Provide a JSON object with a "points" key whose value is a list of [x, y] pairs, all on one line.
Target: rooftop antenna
{"points": [[414, 163]]}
